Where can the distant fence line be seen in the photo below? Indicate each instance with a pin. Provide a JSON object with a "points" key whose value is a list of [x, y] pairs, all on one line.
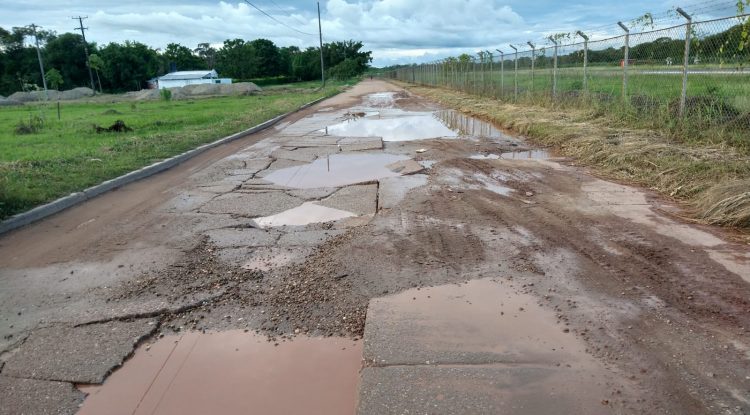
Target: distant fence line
{"points": [[695, 68]]}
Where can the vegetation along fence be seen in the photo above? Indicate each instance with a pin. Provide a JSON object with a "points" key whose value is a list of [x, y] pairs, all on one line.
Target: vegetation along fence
{"points": [[694, 70]]}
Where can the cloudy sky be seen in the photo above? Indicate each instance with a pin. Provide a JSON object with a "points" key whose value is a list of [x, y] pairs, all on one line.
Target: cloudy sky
{"points": [[397, 31]]}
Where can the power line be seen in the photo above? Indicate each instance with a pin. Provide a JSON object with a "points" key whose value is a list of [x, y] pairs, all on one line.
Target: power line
{"points": [[278, 21]]}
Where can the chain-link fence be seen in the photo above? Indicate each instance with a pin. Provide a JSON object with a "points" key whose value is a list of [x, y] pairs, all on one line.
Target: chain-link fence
{"points": [[694, 70]]}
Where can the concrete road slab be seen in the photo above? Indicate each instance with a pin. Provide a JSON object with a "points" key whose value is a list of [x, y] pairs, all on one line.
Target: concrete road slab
{"points": [[359, 199], [85, 354], [392, 190], [38, 397], [251, 204], [458, 390], [478, 322], [312, 194]]}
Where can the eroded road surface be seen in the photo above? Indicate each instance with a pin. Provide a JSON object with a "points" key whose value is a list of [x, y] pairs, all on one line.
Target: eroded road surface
{"points": [[375, 254]]}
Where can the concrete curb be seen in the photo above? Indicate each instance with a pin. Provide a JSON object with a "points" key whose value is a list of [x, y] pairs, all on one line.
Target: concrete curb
{"points": [[73, 199]]}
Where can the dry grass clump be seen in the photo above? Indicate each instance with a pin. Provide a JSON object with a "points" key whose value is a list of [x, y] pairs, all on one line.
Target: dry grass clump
{"points": [[712, 180]]}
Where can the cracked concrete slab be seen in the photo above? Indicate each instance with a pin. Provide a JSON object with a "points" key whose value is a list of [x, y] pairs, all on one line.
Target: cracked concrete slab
{"points": [[305, 154], [405, 167], [392, 190], [85, 354], [360, 143], [251, 204], [312, 194], [496, 389], [279, 164], [359, 199], [228, 238], [38, 397]]}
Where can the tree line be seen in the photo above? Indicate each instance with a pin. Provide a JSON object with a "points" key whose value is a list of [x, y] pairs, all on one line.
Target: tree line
{"points": [[127, 66]]}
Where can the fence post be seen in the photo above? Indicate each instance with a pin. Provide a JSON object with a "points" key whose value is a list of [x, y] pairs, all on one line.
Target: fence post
{"points": [[625, 62], [502, 72], [585, 58], [515, 75], [686, 61], [533, 57], [554, 69]]}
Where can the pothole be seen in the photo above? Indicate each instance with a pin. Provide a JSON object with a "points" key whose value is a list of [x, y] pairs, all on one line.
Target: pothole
{"points": [[232, 372], [336, 170]]}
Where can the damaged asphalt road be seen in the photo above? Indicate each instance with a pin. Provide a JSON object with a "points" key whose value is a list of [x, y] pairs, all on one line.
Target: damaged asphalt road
{"points": [[477, 274]]}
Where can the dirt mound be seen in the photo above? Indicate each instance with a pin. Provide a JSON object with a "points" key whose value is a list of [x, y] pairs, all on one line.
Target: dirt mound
{"points": [[5, 102], [52, 95], [76, 93]]}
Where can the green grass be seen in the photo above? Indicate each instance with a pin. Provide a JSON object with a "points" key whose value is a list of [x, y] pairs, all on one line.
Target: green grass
{"points": [[717, 112], [67, 155]]}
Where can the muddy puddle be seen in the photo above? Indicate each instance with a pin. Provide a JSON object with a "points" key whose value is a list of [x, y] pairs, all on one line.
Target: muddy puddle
{"points": [[336, 170], [471, 127], [232, 372], [307, 213]]}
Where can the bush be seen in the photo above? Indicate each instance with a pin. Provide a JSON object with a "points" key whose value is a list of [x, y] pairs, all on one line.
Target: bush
{"points": [[166, 94]]}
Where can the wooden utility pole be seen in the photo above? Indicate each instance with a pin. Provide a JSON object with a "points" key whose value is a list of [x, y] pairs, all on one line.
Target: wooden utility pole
{"points": [[85, 48], [320, 35], [39, 56]]}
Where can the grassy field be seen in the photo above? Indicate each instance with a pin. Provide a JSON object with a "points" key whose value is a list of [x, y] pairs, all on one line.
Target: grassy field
{"points": [[67, 155]]}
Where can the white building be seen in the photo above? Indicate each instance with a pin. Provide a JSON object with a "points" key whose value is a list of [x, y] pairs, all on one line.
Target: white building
{"points": [[182, 78]]}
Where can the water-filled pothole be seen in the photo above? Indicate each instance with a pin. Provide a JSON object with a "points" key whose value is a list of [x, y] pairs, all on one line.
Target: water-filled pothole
{"points": [[336, 170], [396, 126], [232, 372]]}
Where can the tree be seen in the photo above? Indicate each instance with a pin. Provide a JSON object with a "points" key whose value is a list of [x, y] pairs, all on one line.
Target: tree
{"points": [[207, 53], [128, 66], [97, 64], [232, 59], [54, 78], [182, 57], [66, 52]]}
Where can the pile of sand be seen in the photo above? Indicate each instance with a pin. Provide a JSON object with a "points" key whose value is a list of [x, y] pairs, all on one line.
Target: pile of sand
{"points": [[52, 95]]}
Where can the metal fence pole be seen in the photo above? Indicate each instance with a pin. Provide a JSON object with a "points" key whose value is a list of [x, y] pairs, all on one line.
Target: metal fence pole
{"points": [[492, 84], [533, 57], [625, 62], [585, 58], [554, 70], [502, 74], [515, 75], [686, 61]]}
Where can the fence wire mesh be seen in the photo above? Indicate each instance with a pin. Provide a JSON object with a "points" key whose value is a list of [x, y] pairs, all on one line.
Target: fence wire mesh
{"points": [[695, 69]]}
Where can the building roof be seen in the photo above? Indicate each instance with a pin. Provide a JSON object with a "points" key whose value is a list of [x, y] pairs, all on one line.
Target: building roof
{"points": [[180, 75]]}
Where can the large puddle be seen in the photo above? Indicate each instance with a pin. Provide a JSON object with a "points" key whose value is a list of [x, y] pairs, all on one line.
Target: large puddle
{"points": [[336, 170], [405, 126], [307, 213], [232, 372], [399, 125]]}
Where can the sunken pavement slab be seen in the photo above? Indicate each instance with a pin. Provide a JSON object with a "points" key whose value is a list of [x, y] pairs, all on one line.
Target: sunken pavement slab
{"points": [[38, 397], [85, 354], [252, 205], [358, 199]]}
